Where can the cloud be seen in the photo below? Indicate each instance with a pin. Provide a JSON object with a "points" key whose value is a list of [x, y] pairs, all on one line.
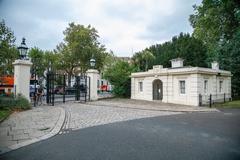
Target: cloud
{"points": [[124, 26]]}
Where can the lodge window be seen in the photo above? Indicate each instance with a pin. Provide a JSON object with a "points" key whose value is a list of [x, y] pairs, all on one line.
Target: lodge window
{"points": [[182, 87], [220, 86], [205, 86], [140, 86]]}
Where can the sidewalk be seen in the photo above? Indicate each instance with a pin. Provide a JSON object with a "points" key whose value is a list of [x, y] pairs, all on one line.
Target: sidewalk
{"points": [[27, 127], [150, 105]]}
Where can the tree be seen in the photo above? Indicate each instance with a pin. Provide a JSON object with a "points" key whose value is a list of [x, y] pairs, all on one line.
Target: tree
{"points": [[214, 22], [217, 25], [79, 46], [185, 46], [231, 61], [143, 59], [147, 57], [51, 60], [37, 58], [8, 51], [119, 76], [42, 61]]}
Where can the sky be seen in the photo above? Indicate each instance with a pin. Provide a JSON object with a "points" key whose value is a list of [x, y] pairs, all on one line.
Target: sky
{"points": [[124, 26]]}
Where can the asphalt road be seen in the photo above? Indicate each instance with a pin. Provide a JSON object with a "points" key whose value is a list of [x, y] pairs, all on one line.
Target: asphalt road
{"points": [[186, 136]]}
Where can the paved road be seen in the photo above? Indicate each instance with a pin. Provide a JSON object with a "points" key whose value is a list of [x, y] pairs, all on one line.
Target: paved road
{"points": [[184, 136]]}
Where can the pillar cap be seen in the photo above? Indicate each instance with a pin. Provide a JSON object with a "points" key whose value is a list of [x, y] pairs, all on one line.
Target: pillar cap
{"points": [[92, 71], [22, 62]]}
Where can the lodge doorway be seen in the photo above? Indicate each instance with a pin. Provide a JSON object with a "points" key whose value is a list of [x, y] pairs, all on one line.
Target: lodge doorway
{"points": [[157, 89]]}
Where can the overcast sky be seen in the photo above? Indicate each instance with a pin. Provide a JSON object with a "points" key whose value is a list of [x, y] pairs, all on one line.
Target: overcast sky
{"points": [[124, 26]]}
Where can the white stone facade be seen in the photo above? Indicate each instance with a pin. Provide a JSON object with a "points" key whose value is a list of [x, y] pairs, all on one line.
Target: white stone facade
{"points": [[94, 77], [181, 85], [21, 77]]}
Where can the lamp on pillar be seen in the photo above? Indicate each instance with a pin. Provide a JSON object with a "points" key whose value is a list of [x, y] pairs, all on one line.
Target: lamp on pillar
{"points": [[22, 72], [92, 63], [94, 76], [23, 50]]}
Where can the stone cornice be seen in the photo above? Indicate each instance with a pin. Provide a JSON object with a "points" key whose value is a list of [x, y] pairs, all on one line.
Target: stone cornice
{"points": [[181, 71], [22, 62]]}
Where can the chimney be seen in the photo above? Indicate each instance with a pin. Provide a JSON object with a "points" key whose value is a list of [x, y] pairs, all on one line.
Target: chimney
{"points": [[176, 63], [215, 65]]}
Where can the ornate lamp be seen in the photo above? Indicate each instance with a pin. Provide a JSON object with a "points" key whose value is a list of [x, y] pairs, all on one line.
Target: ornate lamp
{"points": [[92, 62], [23, 50]]}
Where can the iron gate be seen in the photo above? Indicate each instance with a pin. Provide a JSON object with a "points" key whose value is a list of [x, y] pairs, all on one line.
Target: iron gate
{"points": [[60, 89]]}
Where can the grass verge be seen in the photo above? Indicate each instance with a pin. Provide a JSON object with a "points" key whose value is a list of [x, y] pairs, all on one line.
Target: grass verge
{"points": [[4, 113], [231, 104]]}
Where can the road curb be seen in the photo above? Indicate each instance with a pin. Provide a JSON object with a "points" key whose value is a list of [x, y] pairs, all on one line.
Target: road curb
{"points": [[165, 110], [53, 132]]}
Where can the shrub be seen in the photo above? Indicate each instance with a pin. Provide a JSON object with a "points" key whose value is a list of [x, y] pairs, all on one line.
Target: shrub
{"points": [[119, 77], [7, 102], [12, 103], [22, 103]]}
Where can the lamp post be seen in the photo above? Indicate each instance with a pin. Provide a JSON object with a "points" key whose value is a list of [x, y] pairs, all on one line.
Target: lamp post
{"points": [[22, 72], [92, 63], [93, 79], [23, 50]]}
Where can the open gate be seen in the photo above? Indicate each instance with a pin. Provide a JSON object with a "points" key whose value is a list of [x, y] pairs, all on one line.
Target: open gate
{"points": [[60, 90]]}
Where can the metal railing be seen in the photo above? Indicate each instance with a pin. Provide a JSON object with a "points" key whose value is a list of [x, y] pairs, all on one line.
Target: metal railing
{"points": [[212, 99]]}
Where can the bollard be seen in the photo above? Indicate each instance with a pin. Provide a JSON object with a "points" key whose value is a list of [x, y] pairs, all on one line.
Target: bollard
{"points": [[210, 101], [64, 87], [224, 95], [200, 100]]}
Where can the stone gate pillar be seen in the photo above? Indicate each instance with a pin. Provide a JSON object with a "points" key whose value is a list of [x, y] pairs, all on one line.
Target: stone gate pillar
{"points": [[22, 77], [94, 76]]}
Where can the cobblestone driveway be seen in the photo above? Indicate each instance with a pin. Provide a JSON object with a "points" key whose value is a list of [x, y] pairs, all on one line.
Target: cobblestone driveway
{"points": [[87, 115]]}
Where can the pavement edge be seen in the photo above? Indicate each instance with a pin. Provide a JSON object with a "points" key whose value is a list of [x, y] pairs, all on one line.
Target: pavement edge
{"points": [[53, 132]]}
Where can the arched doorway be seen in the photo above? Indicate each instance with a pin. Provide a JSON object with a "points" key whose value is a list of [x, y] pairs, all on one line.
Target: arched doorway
{"points": [[157, 89]]}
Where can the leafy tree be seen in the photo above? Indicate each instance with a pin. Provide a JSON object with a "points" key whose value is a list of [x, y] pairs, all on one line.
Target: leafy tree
{"points": [[51, 60], [37, 57], [185, 46], [8, 51], [143, 59], [79, 46], [214, 22], [231, 61], [217, 24], [119, 76], [42, 61]]}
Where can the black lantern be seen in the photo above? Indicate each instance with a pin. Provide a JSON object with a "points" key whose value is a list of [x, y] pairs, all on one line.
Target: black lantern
{"points": [[92, 62], [23, 50]]}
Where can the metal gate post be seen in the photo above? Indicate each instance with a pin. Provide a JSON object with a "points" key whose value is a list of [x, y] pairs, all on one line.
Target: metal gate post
{"points": [[35, 88], [85, 89], [89, 87], [78, 88], [47, 88], [53, 80], [64, 86]]}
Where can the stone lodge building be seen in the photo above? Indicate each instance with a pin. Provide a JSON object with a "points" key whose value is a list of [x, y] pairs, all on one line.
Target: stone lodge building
{"points": [[182, 84]]}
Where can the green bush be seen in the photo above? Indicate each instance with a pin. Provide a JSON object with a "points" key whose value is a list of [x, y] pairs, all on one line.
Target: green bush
{"points": [[6, 102], [22, 103], [12, 103], [119, 76]]}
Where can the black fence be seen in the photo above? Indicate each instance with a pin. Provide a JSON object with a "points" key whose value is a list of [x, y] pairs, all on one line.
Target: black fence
{"points": [[61, 89], [211, 99]]}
